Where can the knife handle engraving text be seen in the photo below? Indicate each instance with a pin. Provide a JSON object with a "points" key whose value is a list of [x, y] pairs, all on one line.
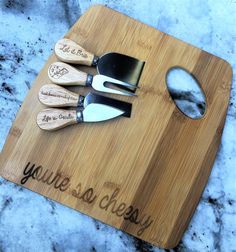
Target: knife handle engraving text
{"points": [[72, 51], [53, 95], [69, 51], [52, 119], [64, 74]]}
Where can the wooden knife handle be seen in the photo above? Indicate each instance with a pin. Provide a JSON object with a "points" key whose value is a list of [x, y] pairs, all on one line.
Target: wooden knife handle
{"points": [[68, 51], [64, 74], [53, 119], [53, 95]]}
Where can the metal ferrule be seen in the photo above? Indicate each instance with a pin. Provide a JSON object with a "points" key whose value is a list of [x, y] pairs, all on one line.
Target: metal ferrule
{"points": [[79, 115], [81, 101], [95, 60], [89, 80]]}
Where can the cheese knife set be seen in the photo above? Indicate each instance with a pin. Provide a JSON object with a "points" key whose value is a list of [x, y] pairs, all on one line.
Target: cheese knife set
{"points": [[143, 174], [92, 107]]}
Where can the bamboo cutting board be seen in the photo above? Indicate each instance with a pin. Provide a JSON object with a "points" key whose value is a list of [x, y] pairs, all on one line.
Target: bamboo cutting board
{"points": [[145, 174]]}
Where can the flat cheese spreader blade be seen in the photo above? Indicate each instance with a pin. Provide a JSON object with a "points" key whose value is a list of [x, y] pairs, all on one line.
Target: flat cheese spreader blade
{"points": [[119, 66]]}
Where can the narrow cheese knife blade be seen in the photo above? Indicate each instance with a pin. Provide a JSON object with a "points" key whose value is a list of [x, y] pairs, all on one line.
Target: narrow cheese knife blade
{"points": [[53, 95]]}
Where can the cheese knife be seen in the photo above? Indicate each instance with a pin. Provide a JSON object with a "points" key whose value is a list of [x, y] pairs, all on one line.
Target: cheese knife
{"points": [[53, 119], [112, 64], [64, 74], [53, 95]]}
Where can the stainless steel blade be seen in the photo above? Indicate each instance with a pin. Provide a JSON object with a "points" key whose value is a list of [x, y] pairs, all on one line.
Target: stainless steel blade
{"points": [[121, 67], [92, 98], [101, 83], [96, 112]]}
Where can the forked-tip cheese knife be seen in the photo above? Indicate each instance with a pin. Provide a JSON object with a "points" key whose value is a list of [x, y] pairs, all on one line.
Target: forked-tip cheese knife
{"points": [[112, 64], [64, 74]]}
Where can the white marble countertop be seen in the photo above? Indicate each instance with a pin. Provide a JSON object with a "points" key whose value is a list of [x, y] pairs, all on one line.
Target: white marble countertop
{"points": [[29, 29]]}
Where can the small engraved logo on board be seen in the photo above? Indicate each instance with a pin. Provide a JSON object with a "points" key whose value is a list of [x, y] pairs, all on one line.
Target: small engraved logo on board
{"points": [[110, 184], [83, 33], [15, 132], [144, 44]]}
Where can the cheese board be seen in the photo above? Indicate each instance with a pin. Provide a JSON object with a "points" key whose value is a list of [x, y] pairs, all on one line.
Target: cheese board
{"points": [[144, 174]]}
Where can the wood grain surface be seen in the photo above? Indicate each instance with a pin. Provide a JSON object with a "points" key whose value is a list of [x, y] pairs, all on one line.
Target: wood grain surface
{"points": [[144, 175]]}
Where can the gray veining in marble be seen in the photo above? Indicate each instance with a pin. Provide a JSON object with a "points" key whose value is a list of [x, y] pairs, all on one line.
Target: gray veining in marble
{"points": [[29, 29]]}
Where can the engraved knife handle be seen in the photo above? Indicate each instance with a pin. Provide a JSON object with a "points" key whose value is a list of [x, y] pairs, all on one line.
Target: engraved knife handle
{"points": [[53, 119], [70, 52], [53, 95], [64, 74]]}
